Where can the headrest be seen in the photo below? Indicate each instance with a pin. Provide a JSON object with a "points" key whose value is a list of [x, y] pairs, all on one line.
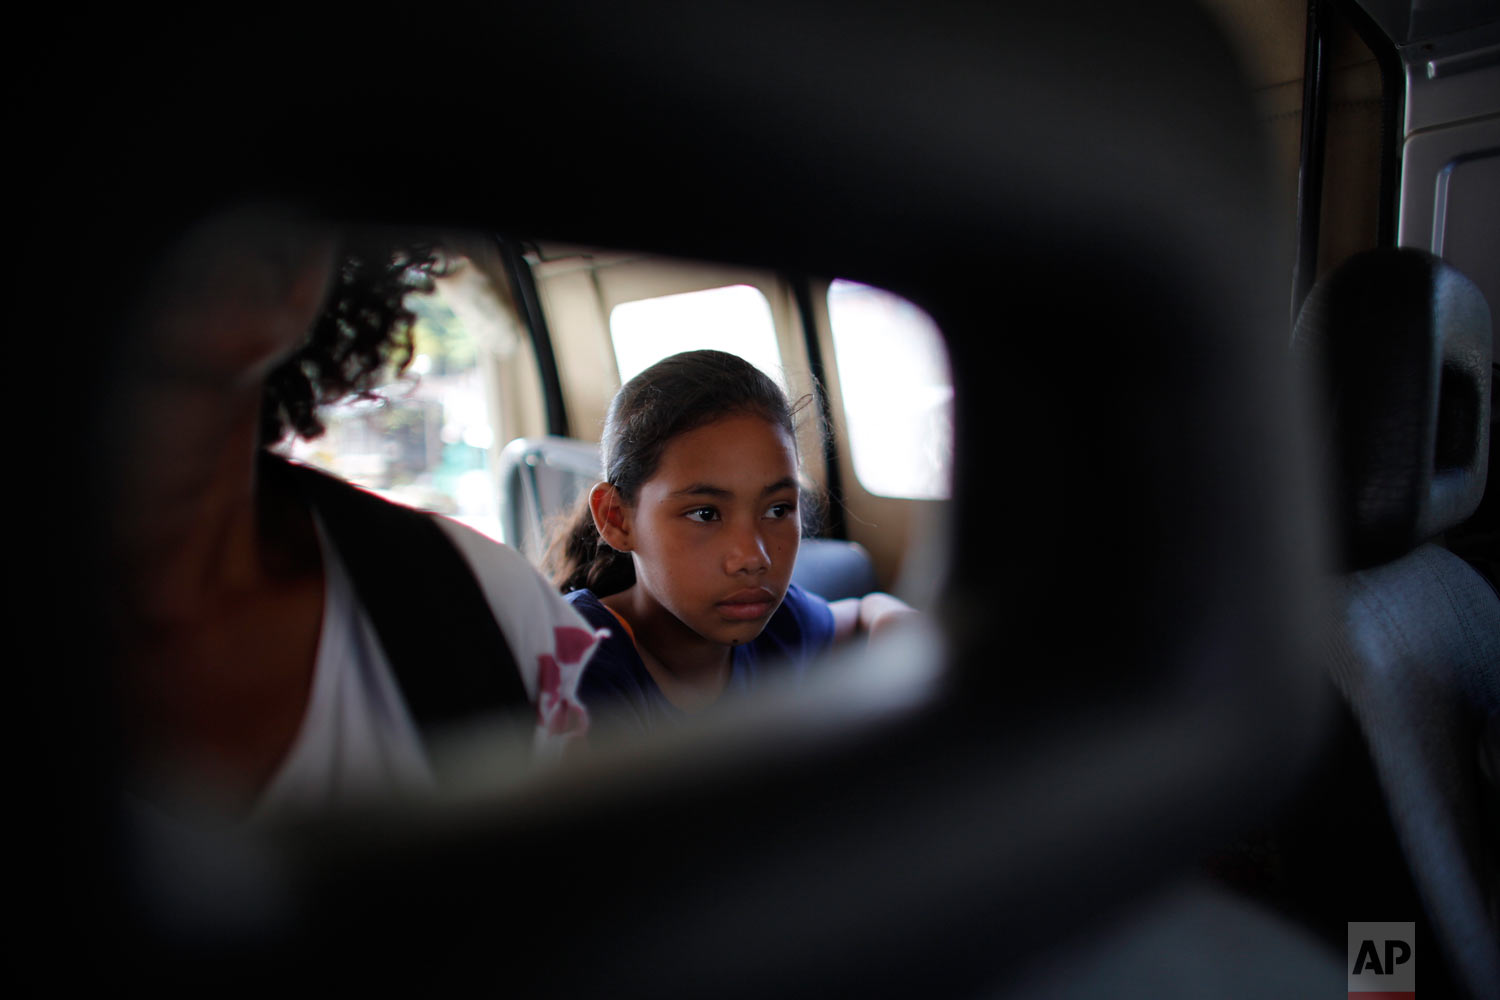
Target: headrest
{"points": [[542, 478], [1400, 344]]}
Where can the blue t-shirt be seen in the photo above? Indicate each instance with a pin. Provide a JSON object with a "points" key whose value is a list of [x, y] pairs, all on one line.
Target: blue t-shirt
{"points": [[617, 685]]}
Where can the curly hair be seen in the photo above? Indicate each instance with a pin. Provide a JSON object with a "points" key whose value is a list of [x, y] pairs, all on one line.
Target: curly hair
{"points": [[362, 336]]}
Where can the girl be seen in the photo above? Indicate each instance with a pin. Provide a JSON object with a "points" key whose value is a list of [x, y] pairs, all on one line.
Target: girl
{"points": [[684, 553]]}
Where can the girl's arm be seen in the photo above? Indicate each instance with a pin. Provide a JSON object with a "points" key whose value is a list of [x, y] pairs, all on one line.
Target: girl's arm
{"points": [[872, 613]]}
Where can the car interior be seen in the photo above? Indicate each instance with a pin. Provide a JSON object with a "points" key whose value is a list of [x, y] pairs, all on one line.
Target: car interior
{"points": [[1207, 665]]}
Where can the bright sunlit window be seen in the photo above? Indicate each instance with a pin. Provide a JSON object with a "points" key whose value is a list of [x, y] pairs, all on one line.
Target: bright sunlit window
{"points": [[736, 319], [425, 441], [897, 389]]}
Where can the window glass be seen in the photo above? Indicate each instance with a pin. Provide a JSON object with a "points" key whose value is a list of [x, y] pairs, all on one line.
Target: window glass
{"points": [[736, 319], [897, 390], [425, 438]]}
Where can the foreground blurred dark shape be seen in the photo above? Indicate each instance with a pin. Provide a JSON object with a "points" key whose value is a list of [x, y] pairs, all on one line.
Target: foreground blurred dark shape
{"points": [[1123, 643]]}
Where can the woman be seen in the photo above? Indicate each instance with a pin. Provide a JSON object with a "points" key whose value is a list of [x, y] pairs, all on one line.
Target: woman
{"points": [[252, 667]]}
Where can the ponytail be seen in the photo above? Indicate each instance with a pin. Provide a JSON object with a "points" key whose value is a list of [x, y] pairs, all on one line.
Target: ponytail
{"points": [[578, 558]]}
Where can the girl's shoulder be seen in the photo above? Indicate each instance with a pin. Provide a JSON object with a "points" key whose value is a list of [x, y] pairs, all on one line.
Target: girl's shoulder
{"points": [[617, 652], [593, 610], [616, 683], [802, 627], [586, 603]]}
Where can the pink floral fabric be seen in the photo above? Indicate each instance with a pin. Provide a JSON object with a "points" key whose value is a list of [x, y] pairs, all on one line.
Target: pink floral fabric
{"points": [[558, 711]]}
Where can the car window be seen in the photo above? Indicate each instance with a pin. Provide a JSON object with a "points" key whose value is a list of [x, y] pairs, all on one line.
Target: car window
{"points": [[425, 437], [733, 318], [897, 389]]}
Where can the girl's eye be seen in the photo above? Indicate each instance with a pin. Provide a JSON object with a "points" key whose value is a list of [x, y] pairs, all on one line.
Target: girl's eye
{"points": [[782, 510], [703, 515]]}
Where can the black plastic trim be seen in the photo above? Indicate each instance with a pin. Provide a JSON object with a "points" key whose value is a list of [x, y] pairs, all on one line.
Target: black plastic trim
{"points": [[1392, 101], [1314, 142], [524, 284], [835, 525]]}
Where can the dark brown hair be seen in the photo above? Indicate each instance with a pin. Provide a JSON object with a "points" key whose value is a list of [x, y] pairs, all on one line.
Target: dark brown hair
{"points": [[676, 395], [362, 335]]}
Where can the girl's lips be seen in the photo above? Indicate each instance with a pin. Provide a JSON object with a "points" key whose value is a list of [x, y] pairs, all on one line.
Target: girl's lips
{"points": [[747, 605]]}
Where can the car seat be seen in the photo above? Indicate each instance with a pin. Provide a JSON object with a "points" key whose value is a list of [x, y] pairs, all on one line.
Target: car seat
{"points": [[541, 479], [1401, 342]]}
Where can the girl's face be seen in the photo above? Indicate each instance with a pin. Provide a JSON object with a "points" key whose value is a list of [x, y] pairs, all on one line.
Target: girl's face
{"points": [[715, 531]]}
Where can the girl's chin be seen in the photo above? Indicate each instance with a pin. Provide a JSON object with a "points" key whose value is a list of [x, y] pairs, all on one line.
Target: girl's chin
{"points": [[739, 633]]}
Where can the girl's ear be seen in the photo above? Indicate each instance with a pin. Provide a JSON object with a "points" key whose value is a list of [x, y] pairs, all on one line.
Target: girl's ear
{"points": [[611, 517]]}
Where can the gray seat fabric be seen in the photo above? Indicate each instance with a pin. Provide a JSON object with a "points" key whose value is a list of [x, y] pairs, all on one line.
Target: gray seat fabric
{"points": [[1417, 655], [1403, 342], [543, 478], [1191, 940]]}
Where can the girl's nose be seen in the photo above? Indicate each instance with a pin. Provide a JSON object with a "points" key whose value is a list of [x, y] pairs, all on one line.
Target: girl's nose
{"points": [[747, 553]]}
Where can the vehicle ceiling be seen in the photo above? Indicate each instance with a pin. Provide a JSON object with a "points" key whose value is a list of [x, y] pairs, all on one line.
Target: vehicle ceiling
{"points": [[1269, 33], [1420, 20]]}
